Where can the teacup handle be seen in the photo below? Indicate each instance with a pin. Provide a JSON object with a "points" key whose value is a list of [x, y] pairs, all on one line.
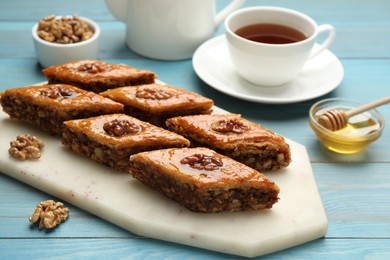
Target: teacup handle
{"points": [[235, 4], [327, 42]]}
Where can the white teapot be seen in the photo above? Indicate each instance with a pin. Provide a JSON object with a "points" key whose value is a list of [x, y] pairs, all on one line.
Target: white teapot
{"points": [[168, 29]]}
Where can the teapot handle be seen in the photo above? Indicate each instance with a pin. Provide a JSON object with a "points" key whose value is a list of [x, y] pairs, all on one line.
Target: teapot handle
{"points": [[235, 4], [118, 9]]}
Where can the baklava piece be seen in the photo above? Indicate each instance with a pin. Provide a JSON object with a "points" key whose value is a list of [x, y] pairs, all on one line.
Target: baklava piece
{"points": [[111, 139], [155, 103], [97, 76], [236, 137], [204, 181], [48, 106]]}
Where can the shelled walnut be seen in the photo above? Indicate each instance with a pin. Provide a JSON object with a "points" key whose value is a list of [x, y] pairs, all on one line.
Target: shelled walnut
{"points": [[64, 30], [92, 68], [58, 92], [153, 93], [230, 126], [26, 147], [202, 162], [119, 127], [49, 214]]}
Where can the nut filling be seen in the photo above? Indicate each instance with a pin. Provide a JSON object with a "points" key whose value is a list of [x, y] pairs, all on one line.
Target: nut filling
{"points": [[49, 214], [115, 152], [202, 162], [45, 117], [118, 128], [230, 126], [236, 138], [26, 147], [263, 157], [97, 76], [159, 170]]}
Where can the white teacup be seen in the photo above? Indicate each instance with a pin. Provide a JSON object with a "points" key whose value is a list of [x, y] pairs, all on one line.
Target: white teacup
{"points": [[169, 29], [273, 64]]}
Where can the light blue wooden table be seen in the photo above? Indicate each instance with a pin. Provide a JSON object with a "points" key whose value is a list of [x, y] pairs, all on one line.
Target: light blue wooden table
{"points": [[355, 190]]}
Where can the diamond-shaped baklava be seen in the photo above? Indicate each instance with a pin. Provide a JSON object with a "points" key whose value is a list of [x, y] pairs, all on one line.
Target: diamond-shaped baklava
{"points": [[111, 139], [203, 180], [236, 137], [155, 103], [47, 106], [97, 75]]}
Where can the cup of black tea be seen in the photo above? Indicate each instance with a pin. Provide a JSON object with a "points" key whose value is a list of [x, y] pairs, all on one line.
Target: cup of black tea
{"points": [[270, 45]]}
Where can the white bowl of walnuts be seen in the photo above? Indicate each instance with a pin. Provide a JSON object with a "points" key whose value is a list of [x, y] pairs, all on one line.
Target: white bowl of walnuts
{"points": [[61, 39]]}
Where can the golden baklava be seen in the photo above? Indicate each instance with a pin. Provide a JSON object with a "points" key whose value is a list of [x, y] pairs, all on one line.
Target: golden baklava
{"points": [[204, 181], [47, 106], [97, 76], [236, 137], [155, 103], [111, 139]]}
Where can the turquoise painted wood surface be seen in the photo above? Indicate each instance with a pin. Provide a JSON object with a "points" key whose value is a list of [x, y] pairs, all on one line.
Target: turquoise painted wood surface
{"points": [[355, 189]]}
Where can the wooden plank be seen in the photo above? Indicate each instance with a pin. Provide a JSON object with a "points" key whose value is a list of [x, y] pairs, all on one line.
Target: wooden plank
{"points": [[18, 201], [362, 10], [355, 197], [376, 26], [117, 248], [17, 40], [33, 11]]}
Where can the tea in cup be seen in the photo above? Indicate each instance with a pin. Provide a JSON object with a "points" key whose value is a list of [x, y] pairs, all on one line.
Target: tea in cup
{"points": [[270, 45]]}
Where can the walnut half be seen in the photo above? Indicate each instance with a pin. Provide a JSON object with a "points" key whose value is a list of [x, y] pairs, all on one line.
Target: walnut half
{"points": [[49, 213], [202, 162], [230, 126], [118, 127], [153, 93], [26, 147]]}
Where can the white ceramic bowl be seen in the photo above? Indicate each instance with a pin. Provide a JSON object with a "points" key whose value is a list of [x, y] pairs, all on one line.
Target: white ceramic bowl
{"points": [[49, 54]]}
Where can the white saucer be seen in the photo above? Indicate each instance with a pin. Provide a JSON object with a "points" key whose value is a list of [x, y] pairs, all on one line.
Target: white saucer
{"points": [[320, 75]]}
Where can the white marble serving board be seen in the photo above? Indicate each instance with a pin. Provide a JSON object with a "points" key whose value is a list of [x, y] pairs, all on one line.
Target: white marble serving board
{"points": [[297, 218]]}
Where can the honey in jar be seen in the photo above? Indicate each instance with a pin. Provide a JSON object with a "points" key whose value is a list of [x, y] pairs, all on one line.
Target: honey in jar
{"points": [[360, 131]]}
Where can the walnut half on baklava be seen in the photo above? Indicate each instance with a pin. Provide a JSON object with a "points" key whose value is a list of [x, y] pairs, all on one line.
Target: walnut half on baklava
{"points": [[236, 137], [204, 181], [97, 76], [155, 103], [47, 106], [111, 139]]}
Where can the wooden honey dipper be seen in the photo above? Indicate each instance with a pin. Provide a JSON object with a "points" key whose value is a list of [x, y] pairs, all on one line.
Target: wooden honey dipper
{"points": [[335, 119]]}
